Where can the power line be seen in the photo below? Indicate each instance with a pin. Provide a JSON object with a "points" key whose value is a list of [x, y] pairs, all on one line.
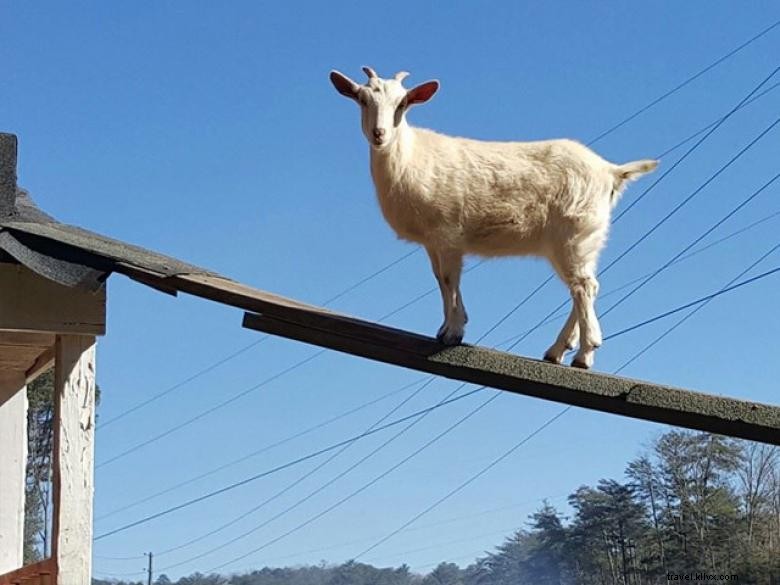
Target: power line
{"points": [[257, 452], [698, 143], [684, 141], [703, 299], [246, 348], [551, 420], [332, 480], [365, 486], [562, 412], [251, 389], [130, 558], [558, 315], [371, 276], [703, 302], [439, 523], [208, 411], [653, 103], [376, 479], [490, 330], [301, 479], [469, 481], [700, 301], [359, 283], [322, 424], [278, 468], [706, 232], [262, 450], [690, 79], [668, 216]]}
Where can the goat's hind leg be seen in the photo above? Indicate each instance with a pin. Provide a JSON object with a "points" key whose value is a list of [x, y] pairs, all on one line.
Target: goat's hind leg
{"points": [[583, 290], [575, 262], [567, 339]]}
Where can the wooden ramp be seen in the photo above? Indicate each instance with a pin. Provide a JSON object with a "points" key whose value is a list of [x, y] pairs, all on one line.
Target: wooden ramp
{"points": [[289, 318], [505, 371]]}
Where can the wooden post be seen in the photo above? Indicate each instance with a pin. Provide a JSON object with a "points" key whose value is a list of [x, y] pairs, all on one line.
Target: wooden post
{"points": [[13, 459], [74, 433]]}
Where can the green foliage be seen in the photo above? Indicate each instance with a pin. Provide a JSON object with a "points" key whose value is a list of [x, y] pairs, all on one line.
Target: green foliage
{"points": [[40, 412]]}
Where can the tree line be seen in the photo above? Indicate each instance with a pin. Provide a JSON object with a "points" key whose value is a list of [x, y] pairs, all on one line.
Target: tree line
{"points": [[693, 503]]}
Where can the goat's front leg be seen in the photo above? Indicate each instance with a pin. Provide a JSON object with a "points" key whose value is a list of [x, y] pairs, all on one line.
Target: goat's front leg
{"points": [[447, 267]]}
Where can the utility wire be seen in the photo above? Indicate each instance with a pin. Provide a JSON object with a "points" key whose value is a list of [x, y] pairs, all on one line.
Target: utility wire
{"points": [[353, 410], [260, 451], [558, 315], [365, 486], [334, 479], [703, 302], [668, 216], [277, 469], [249, 390], [414, 300], [677, 208], [246, 348], [657, 101], [690, 79], [552, 419], [378, 478], [299, 480], [700, 301], [700, 131], [359, 283], [706, 232]]}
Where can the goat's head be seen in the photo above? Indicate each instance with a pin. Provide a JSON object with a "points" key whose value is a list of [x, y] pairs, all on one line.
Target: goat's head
{"points": [[383, 103]]}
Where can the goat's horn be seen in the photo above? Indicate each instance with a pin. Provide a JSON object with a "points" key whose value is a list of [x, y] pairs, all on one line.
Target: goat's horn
{"points": [[370, 72], [401, 75]]}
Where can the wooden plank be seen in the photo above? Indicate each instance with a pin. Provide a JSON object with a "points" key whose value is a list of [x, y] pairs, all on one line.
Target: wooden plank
{"points": [[74, 436], [229, 292], [18, 357], [27, 338], [156, 280], [29, 302], [13, 458], [596, 391], [44, 362]]}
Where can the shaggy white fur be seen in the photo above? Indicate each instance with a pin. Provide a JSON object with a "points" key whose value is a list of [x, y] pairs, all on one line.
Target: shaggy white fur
{"points": [[457, 196]]}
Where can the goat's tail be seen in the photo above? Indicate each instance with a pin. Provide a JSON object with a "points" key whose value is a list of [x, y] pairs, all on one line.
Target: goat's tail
{"points": [[628, 172]]}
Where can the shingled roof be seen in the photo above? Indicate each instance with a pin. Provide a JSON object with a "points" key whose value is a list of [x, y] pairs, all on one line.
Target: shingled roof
{"points": [[76, 257], [67, 254]]}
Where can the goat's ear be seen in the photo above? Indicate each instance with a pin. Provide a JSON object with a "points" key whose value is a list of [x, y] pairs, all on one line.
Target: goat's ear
{"points": [[422, 93], [344, 85]]}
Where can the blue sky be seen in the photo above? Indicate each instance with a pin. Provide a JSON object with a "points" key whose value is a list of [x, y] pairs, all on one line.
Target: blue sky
{"points": [[210, 132]]}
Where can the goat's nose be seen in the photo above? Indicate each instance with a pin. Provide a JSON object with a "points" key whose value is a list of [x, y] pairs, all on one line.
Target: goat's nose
{"points": [[379, 133]]}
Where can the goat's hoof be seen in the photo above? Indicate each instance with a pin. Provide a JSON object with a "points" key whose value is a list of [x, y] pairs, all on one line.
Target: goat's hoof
{"points": [[553, 359], [447, 336], [580, 364], [450, 338]]}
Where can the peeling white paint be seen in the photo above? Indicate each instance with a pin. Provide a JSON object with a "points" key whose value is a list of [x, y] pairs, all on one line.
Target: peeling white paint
{"points": [[74, 458]]}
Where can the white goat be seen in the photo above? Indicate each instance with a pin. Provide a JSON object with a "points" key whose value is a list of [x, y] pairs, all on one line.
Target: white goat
{"points": [[458, 196]]}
